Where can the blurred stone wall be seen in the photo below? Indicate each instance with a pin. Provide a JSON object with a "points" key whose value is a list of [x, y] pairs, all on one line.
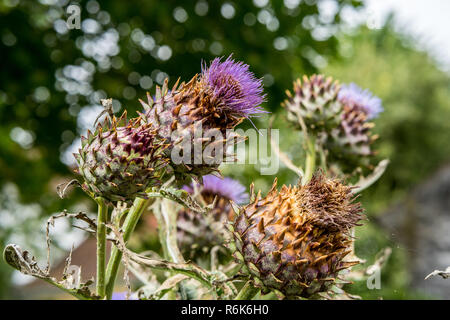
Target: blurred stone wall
{"points": [[421, 225]]}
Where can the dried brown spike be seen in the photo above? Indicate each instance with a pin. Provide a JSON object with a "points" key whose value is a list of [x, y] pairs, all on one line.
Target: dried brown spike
{"points": [[261, 225], [280, 236]]}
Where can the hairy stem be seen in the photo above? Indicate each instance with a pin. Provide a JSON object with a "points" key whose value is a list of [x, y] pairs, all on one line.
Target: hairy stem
{"points": [[310, 160], [166, 215], [101, 245], [128, 226], [247, 292], [169, 235]]}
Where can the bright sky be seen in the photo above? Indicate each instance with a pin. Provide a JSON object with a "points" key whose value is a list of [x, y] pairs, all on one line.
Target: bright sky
{"points": [[429, 20]]}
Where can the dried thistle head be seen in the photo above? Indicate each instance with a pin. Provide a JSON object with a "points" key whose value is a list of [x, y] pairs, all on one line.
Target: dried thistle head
{"points": [[328, 203], [295, 240]]}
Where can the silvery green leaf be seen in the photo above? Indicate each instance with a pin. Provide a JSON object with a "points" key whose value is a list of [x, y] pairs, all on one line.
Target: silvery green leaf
{"points": [[24, 262], [444, 274]]}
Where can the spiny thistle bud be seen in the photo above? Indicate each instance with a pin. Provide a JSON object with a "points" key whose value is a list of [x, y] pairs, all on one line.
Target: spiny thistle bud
{"points": [[219, 99], [121, 159], [295, 240], [198, 234], [314, 103], [349, 145]]}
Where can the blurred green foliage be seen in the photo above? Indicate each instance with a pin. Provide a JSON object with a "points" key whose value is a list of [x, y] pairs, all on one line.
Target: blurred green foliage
{"points": [[52, 79], [414, 129]]}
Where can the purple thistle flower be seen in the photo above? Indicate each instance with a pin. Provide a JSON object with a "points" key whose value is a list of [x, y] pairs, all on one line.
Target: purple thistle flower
{"points": [[234, 86], [122, 296], [227, 188], [363, 99]]}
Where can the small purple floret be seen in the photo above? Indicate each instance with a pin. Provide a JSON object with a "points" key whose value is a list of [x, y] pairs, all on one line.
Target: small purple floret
{"points": [[235, 86], [122, 296], [227, 188], [363, 99]]}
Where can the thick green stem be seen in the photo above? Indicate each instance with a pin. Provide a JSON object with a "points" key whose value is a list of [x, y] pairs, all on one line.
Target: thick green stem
{"points": [[101, 245], [310, 161], [128, 226], [247, 292]]}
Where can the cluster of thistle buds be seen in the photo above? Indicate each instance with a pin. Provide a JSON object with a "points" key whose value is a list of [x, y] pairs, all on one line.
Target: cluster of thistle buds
{"points": [[293, 243], [338, 119]]}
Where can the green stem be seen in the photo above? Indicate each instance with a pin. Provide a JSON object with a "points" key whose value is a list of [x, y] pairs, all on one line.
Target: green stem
{"points": [[101, 245], [310, 161], [128, 226], [247, 292]]}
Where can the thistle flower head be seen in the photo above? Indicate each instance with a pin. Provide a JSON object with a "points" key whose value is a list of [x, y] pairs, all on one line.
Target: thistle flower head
{"points": [[120, 160], [350, 144], [225, 188], [351, 94], [214, 103], [233, 86], [295, 240], [198, 234]]}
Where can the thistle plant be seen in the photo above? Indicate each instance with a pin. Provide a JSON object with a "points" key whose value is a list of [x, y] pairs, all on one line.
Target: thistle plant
{"points": [[216, 242]]}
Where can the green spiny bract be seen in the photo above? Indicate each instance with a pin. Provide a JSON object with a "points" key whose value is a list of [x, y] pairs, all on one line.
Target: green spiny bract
{"points": [[295, 241], [121, 159], [314, 103]]}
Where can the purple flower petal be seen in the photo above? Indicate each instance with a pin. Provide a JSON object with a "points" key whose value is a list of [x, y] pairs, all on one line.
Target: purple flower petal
{"points": [[226, 188], [122, 296], [363, 99], [234, 86]]}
